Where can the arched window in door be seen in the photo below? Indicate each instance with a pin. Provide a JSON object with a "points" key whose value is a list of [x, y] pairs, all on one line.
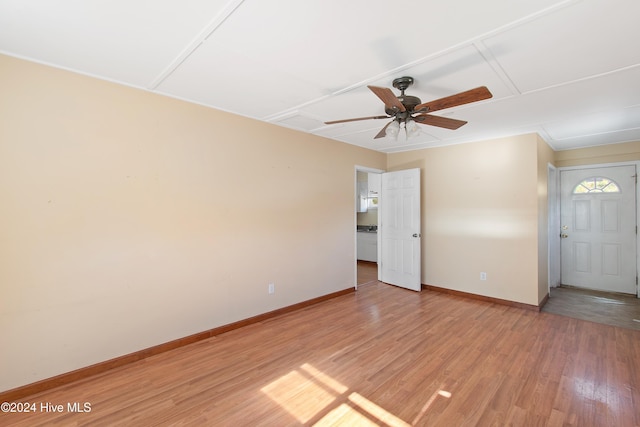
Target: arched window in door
{"points": [[596, 184]]}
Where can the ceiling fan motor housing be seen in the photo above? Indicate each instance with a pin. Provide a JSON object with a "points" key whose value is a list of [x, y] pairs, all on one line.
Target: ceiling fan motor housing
{"points": [[409, 102]]}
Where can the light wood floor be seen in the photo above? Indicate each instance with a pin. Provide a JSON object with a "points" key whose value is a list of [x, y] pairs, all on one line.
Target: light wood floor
{"points": [[381, 356], [367, 272]]}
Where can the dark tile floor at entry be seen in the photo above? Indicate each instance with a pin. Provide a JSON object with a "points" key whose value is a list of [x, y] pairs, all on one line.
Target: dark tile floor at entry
{"points": [[596, 306]]}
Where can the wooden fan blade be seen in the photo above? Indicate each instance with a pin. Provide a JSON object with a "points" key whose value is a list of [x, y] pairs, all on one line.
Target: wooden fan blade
{"points": [[443, 122], [383, 132], [356, 119], [473, 95], [387, 96]]}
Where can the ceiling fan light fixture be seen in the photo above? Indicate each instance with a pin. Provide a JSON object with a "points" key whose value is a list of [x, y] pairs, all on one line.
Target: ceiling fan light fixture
{"points": [[411, 128], [393, 130]]}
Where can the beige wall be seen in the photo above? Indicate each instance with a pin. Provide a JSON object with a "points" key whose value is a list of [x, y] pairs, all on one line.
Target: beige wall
{"points": [[625, 152], [480, 210], [130, 219]]}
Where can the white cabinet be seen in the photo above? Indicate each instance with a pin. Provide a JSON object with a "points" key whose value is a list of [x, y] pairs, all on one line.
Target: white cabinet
{"points": [[367, 246], [374, 182], [361, 197], [368, 190], [373, 190]]}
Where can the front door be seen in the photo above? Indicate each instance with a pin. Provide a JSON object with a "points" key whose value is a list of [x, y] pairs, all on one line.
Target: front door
{"points": [[399, 229], [598, 228]]}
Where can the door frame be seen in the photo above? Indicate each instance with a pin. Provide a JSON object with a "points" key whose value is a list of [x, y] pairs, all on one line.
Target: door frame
{"points": [[553, 212], [357, 169], [594, 166]]}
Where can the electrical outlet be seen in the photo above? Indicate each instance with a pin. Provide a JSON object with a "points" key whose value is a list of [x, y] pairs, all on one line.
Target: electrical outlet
{"points": [[272, 288], [483, 276]]}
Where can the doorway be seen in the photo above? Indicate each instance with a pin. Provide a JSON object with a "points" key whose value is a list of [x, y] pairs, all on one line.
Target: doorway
{"points": [[366, 218], [598, 228], [397, 210], [586, 202]]}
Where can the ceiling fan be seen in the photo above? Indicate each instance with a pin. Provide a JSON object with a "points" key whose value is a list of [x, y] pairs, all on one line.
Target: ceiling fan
{"points": [[410, 110]]}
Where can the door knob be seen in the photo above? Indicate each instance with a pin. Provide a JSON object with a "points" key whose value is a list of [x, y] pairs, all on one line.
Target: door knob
{"points": [[564, 236], [416, 235]]}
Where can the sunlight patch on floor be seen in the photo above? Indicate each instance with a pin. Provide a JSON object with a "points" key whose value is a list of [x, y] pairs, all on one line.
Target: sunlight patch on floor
{"points": [[345, 415], [306, 393], [376, 411], [324, 379], [301, 396], [427, 405]]}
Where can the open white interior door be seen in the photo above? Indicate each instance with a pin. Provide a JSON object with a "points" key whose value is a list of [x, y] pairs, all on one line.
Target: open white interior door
{"points": [[399, 229]]}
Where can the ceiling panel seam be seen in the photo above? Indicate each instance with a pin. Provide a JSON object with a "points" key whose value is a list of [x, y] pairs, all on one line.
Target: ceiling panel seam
{"points": [[204, 34], [582, 79], [495, 65]]}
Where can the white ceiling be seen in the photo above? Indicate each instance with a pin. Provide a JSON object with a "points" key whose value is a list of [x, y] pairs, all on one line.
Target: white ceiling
{"points": [[568, 70]]}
